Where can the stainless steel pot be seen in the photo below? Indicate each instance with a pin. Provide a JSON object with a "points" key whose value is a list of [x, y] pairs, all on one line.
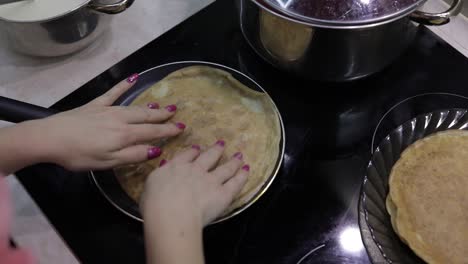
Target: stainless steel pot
{"points": [[64, 34], [341, 41]]}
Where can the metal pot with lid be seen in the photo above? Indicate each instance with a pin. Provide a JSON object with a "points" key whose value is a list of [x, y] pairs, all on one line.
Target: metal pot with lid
{"points": [[56, 28], [334, 40]]}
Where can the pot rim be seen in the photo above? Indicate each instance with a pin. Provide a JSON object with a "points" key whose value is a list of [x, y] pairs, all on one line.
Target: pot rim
{"points": [[74, 9], [338, 24]]}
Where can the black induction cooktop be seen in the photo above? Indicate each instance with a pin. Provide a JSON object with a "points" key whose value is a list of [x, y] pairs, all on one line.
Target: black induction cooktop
{"points": [[310, 213]]}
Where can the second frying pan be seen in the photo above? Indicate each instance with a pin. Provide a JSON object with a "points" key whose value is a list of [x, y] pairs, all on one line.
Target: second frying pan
{"points": [[106, 182]]}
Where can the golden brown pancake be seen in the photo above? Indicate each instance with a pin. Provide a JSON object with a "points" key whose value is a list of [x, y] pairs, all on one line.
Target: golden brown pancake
{"points": [[213, 105], [428, 198]]}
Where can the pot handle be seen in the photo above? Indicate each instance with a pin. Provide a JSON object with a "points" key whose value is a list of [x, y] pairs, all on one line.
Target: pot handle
{"points": [[437, 19], [110, 9], [16, 111]]}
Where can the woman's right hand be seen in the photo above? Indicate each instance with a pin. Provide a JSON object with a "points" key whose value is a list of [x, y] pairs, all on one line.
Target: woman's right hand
{"points": [[192, 185], [182, 196]]}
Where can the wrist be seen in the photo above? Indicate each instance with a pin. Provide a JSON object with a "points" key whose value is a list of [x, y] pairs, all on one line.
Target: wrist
{"points": [[20, 147], [163, 214], [172, 235], [37, 140]]}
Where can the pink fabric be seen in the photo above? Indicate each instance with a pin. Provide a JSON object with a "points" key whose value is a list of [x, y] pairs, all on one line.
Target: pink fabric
{"points": [[9, 255]]}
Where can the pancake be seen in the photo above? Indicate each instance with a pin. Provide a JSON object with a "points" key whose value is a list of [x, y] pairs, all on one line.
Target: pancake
{"points": [[213, 105], [428, 197]]}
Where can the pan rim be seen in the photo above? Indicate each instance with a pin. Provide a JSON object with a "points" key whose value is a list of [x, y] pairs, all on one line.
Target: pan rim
{"points": [[267, 183]]}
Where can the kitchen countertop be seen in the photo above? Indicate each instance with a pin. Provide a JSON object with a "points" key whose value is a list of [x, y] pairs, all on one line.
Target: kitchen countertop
{"points": [[40, 81], [454, 33]]}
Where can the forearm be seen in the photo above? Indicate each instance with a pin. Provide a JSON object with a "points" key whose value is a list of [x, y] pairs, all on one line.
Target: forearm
{"points": [[173, 239], [21, 146]]}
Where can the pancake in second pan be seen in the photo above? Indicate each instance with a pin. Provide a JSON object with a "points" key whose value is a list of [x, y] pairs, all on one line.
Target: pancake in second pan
{"points": [[214, 106], [428, 198]]}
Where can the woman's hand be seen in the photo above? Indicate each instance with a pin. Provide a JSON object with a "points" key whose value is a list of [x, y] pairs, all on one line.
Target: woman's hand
{"points": [[99, 136], [94, 136], [185, 194], [190, 184]]}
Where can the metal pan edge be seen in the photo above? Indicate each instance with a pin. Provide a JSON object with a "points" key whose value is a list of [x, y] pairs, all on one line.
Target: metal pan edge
{"points": [[125, 98]]}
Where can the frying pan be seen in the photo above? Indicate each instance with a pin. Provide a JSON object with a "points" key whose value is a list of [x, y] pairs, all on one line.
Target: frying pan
{"points": [[106, 181]]}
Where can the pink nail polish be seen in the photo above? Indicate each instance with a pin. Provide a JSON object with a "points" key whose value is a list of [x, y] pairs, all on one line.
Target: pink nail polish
{"points": [[171, 108], [162, 162], [154, 152], [238, 155], [133, 78], [180, 125], [153, 105], [246, 167], [197, 147], [220, 142]]}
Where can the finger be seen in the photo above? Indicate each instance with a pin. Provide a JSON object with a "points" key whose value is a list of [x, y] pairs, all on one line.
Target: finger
{"points": [[208, 159], [142, 114], [234, 185], [135, 154], [187, 155], [5, 213], [149, 132], [115, 92], [228, 170]]}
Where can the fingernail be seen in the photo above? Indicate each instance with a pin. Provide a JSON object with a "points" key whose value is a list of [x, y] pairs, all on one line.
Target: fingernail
{"points": [[220, 142], [180, 125], [162, 162], [197, 147], [154, 152], [171, 108], [153, 105], [246, 167], [133, 78], [238, 155]]}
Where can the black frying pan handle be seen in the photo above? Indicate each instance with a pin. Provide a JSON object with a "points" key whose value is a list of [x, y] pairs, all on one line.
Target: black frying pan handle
{"points": [[16, 111]]}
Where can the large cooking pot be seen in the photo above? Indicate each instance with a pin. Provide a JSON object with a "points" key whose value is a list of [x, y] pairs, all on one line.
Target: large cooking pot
{"points": [[334, 40], [71, 29]]}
